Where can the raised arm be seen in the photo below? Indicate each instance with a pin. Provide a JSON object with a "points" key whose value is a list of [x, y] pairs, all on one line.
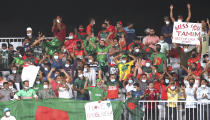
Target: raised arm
{"points": [[134, 58], [49, 74], [91, 43], [189, 13], [37, 41], [171, 13], [67, 75]]}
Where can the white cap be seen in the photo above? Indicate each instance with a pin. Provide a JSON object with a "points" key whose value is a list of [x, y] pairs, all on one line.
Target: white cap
{"points": [[28, 29]]}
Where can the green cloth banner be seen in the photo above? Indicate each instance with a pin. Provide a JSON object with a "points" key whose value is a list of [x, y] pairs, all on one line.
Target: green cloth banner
{"points": [[61, 109]]}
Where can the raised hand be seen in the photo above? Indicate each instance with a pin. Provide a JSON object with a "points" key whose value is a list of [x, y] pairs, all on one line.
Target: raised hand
{"points": [[171, 7]]}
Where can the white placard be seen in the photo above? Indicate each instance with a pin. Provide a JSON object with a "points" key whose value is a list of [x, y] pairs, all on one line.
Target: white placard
{"points": [[29, 73], [99, 111], [186, 33]]}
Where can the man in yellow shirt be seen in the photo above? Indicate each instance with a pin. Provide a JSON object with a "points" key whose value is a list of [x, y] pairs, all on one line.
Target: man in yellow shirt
{"points": [[172, 94], [124, 65]]}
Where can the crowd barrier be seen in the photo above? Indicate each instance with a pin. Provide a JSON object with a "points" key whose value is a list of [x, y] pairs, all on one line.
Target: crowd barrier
{"points": [[179, 110]]}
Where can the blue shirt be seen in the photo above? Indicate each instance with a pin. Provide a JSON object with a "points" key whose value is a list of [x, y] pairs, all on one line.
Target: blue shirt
{"points": [[136, 94], [57, 65], [168, 30]]}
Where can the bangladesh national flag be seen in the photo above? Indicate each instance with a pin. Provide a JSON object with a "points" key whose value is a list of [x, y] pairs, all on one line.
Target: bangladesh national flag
{"points": [[53, 109], [132, 105]]}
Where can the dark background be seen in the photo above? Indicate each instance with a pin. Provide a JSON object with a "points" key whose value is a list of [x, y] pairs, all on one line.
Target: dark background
{"points": [[16, 15]]}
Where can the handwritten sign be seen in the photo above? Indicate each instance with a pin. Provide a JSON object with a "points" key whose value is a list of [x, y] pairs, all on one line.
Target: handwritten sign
{"points": [[186, 33], [99, 111]]}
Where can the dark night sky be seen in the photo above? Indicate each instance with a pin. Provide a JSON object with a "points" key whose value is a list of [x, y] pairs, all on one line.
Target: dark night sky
{"points": [[16, 15]]}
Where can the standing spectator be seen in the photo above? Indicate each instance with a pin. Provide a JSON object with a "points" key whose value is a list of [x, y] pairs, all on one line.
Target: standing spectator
{"points": [[151, 39], [124, 65], [130, 33], [180, 17], [164, 46], [90, 29], [152, 111], [47, 92], [4, 57], [7, 115], [167, 30], [90, 74], [159, 59], [111, 29], [5, 94], [172, 94], [129, 87], [79, 83], [103, 34], [38, 85], [112, 88], [15, 77], [27, 92], [203, 95], [97, 93], [120, 30], [190, 93]]}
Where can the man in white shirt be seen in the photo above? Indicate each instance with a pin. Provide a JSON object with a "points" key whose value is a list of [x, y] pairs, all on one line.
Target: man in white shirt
{"points": [[90, 74], [203, 95], [164, 45], [7, 115], [190, 93]]}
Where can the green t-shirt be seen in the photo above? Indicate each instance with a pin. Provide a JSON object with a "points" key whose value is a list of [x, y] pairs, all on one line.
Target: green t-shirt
{"points": [[146, 69], [102, 53], [88, 47], [158, 60], [97, 93], [29, 93], [38, 87], [79, 84]]}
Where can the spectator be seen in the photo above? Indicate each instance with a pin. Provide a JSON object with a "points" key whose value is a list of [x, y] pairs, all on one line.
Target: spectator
{"points": [[129, 87], [167, 30], [159, 59], [103, 34], [27, 92], [112, 88], [130, 33], [7, 115], [180, 17], [172, 94], [79, 83], [4, 57], [5, 94], [190, 93], [47, 92], [137, 92], [111, 29], [97, 93], [90, 74], [164, 46], [12, 87], [124, 65], [15, 77], [38, 85], [151, 39], [203, 95], [151, 94], [90, 29]]}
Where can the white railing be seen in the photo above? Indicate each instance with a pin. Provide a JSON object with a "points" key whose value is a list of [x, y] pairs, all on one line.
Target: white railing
{"points": [[161, 110]]}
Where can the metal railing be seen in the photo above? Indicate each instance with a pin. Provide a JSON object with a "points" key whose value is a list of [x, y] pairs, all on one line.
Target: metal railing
{"points": [[175, 110]]}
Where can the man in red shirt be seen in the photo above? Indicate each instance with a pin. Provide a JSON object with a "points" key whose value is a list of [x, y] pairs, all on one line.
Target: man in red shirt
{"points": [[112, 88], [151, 108], [59, 29], [110, 28], [89, 29]]}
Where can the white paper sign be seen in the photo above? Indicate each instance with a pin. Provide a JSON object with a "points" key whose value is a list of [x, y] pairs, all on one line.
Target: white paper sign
{"points": [[99, 111], [29, 73], [186, 33]]}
